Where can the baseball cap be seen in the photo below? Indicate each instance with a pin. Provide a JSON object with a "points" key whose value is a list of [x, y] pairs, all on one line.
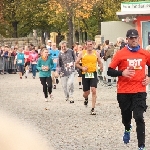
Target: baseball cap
{"points": [[132, 33], [49, 41]]}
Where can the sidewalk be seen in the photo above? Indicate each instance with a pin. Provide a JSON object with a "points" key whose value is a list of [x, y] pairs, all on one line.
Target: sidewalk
{"points": [[68, 126]]}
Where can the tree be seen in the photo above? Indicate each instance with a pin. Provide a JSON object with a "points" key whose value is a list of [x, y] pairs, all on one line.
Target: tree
{"points": [[73, 9]]}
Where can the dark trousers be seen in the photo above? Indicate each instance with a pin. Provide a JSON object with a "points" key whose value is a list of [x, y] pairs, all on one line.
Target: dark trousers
{"points": [[47, 85], [135, 103], [33, 66]]}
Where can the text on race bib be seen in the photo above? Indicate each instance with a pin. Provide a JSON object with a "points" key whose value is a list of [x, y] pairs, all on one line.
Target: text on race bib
{"points": [[89, 75], [19, 61]]}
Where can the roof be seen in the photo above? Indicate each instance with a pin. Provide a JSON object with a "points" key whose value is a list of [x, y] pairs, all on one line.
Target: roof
{"points": [[124, 14]]}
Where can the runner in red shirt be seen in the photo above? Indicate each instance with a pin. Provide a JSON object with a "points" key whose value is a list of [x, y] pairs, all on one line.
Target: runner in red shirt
{"points": [[27, 60], [131, 88]]}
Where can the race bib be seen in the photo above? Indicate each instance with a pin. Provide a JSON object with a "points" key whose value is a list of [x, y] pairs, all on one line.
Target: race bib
{"points": [[89, 75], [55, 60], [19, 61]]}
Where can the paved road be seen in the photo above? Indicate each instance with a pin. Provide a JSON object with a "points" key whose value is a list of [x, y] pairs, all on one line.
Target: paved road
{"points": [[68, 126]]}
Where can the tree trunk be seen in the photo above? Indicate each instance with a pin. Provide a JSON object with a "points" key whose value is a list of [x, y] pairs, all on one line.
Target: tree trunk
{"points": [[15, 32], [100, 19], [42, 37], [70, 34]]}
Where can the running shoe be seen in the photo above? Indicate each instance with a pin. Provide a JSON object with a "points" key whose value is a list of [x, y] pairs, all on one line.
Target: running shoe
{"points": [[33, 77], [66, 99], [126, 136], [54, 87], [86, 102], [80, 86], [142, 148], [57, 81], [46, 100], [109, 84], [51, 97], [93, 112], [71, 100]]}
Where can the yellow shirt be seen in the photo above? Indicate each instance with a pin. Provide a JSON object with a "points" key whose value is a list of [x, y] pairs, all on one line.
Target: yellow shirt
{"points": [[89, 61]]}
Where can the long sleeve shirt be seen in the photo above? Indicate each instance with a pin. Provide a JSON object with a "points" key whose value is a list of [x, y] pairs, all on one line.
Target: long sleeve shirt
{"points": [[48, 63]]}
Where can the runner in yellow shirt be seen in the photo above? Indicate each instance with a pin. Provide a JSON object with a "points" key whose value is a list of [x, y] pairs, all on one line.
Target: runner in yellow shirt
{"points": [[89, 58]]}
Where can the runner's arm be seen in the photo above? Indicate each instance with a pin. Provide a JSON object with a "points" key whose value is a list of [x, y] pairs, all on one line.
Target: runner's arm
{"points": [[59, 60], [39, 67], [77, 63], [99, 60], [15, 60], [114, 73], [148, 64], [51, 63], [148, 71]]}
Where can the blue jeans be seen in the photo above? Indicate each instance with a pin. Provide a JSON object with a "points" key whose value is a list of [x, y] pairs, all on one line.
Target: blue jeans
{"points": [[33, 66]]}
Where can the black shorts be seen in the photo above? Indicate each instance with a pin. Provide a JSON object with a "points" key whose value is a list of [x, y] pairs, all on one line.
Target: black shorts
{"points": [[27, 64], [21, 68], [129, 101], [89, 82]]}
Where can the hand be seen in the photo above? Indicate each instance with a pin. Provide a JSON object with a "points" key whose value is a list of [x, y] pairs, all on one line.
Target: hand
{"points": [[84, 69], [101, 67], [146, 81], [128, 72], [46, 67], [43, 67]]}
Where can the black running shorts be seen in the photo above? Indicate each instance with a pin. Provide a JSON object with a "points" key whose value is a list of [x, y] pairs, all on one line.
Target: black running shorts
{"points": [[89, 82], [27, 64], [132, 100]]}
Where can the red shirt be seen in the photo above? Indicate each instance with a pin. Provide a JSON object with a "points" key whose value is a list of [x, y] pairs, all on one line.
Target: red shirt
{"points": [[26, 54], [125, 58]]}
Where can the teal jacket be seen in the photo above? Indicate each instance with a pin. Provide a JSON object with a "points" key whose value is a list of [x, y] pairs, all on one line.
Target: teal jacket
{"points": [[49, 63]]}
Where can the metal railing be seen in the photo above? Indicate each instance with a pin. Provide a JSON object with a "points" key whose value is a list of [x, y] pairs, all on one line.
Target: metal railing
{"points": [[7, 64]]}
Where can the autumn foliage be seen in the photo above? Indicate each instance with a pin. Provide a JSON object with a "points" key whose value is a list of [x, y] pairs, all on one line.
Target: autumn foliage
{"points": [[20, 17]]}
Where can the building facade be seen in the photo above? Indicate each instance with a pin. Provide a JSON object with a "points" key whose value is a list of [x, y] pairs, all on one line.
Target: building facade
{"points": [[137, 13]]}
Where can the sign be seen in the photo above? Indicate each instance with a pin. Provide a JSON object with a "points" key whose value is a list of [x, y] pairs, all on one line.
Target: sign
{"points": [[135, 6]]}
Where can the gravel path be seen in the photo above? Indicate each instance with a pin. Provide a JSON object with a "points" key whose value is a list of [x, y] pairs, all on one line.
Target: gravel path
{"points": [[68, 126]]}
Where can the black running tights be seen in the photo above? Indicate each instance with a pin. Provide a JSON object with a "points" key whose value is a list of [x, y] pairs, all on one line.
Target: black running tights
{"points": [[47, 85]]}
